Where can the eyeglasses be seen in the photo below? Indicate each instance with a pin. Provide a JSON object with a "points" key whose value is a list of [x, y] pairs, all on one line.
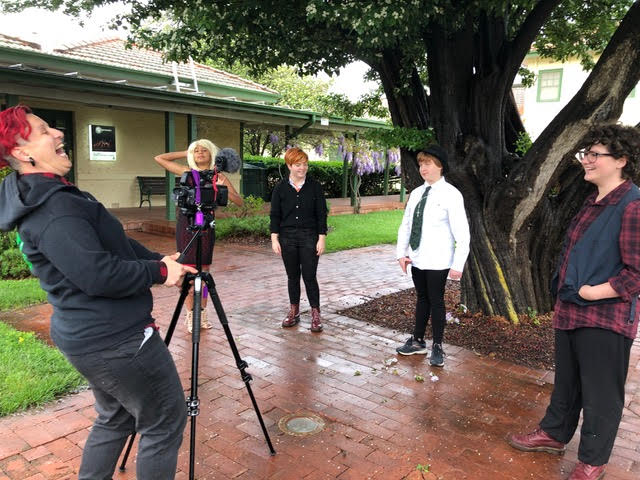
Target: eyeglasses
{"points": [[589, 156]]}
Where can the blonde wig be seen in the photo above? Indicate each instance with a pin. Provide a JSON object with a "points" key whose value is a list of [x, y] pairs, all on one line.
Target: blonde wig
{"points": [[209, 145]]}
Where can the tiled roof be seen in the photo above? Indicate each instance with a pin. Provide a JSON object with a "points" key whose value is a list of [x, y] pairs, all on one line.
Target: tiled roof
{"points": [[14, 42], [113, 52]]}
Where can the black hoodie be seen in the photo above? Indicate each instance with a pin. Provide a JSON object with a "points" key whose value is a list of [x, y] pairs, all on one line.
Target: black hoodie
{"points": [[97, 279]]}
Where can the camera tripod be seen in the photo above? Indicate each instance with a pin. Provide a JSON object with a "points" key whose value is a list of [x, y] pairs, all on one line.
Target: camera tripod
{"points": [[193, 402]]}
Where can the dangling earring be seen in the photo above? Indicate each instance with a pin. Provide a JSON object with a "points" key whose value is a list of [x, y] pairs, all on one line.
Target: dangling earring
{"points": [[32, 161]]}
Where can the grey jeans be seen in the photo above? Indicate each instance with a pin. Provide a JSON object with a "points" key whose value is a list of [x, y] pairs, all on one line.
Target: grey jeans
{"points": [[137, 388]]}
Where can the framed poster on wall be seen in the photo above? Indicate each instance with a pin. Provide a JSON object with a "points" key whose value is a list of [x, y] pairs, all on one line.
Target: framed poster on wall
{"points": [[102, 143]]}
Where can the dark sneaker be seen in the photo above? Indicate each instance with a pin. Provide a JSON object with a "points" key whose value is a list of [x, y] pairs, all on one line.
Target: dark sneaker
{"points": [[413, 347], [437, 356]]}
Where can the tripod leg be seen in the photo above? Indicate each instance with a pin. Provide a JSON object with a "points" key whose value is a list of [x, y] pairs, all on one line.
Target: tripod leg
{"points": [[193, 402], [167, 339], [240, 363]]}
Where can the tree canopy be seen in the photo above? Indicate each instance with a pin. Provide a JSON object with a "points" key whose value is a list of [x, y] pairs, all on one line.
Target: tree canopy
{"points": [[467, 53], [302, 92]]}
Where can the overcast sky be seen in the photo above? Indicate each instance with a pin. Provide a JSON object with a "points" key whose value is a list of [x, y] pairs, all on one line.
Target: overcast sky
{"points": [[53, 30]]}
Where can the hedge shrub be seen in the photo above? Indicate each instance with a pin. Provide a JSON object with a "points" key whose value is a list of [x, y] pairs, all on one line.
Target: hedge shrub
{"points": [[257, 225], [250, 207], [4, 172], [328, 173], [12, 264]]}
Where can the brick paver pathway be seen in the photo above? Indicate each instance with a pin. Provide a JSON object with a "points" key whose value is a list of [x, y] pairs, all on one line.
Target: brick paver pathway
{"points": [[380, 422]]}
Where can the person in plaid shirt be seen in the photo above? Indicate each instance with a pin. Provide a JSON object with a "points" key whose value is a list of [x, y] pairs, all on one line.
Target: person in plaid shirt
{"points": [[596, 312]]}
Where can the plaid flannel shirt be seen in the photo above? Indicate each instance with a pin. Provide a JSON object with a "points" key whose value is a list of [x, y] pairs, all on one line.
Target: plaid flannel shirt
{"points": [[611, 316]]}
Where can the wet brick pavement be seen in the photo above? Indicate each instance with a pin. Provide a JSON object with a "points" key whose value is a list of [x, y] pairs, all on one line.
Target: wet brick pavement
{"points": [[380, 422]]}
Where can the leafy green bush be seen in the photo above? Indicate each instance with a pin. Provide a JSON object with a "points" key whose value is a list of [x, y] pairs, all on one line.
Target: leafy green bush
{"points": [[523, 143], [7, 240], [329, 174], [257, 225], [4, 172], [411, 138], [252, 206], [12, 264]]}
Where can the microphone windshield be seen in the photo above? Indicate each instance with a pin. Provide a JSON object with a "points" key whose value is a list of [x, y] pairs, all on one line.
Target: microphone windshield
{"points": [[228, 160]]}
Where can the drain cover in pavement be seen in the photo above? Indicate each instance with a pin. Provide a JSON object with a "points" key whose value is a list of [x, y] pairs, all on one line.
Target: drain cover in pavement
{"points": [[301, 424]]}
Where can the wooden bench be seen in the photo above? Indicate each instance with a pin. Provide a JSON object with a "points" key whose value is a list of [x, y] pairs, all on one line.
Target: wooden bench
{"points": [[151, 186]]}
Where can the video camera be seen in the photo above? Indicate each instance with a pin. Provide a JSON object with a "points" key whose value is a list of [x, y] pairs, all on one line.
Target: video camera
{"points": [[198, 191]]}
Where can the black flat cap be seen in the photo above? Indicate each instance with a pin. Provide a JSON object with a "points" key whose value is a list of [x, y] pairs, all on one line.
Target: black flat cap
{"points": [[438, 152]]}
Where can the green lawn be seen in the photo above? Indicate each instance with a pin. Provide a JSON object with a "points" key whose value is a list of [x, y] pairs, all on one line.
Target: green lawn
{"points": [[31, 373], [20, 293], [353, 231]]}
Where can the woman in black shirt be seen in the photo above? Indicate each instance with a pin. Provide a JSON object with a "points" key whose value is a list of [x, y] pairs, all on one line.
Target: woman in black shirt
{"points": [[298, 233]]}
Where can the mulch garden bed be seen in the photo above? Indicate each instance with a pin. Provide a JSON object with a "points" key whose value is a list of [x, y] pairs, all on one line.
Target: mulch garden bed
{"points": [[531, 343]]}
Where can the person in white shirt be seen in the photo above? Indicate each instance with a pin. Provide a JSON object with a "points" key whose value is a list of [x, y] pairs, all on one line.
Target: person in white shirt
{"points": [[434, 240]]}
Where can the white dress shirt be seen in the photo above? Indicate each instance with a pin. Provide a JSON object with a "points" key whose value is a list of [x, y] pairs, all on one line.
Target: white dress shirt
{"points": [[445, 230]]}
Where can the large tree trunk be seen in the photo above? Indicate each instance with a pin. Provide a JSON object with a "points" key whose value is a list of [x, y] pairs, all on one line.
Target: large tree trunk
{"points": [[553, 189], [408, 108], [471, 92], [524, 217], [518, 209]]}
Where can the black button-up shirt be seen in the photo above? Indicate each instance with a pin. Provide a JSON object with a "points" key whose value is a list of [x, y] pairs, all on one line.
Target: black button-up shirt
{"points": [[306, 208]]}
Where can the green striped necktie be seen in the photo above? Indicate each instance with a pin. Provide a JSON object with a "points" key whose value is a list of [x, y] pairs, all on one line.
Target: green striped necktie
{"points": [[416, 225]]}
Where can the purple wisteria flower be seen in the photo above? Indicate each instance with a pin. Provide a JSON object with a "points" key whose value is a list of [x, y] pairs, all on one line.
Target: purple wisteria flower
{"points": [[319, 149], [379, 161], [273, 138], [394, 159]]}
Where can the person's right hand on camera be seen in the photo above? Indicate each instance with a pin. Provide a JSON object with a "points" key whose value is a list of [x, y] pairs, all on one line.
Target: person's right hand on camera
{"points": [[176, 271]]}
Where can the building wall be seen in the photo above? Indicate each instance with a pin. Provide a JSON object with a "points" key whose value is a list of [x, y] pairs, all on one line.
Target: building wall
{"points": [[139, 137], [223, 133], [538, 114]]}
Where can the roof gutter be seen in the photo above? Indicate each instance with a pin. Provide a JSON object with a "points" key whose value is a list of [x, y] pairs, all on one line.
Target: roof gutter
{"points": [[33, 83]]}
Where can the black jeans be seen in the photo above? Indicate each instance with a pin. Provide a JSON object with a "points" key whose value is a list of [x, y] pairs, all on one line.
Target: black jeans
{"points": [[137, 388], [430, 302], [299, 256], [591, 370]]}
